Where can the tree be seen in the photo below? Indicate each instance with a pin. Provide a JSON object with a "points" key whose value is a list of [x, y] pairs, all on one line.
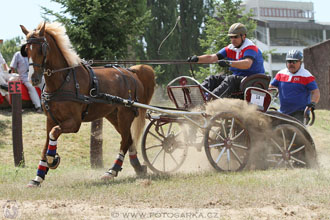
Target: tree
{"points": [[102, 29], [228, 12], [9, 48], [183, 41]]}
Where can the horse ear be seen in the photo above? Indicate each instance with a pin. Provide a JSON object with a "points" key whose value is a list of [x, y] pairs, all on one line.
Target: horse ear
{"points": [[25, 31], [42, 30]]}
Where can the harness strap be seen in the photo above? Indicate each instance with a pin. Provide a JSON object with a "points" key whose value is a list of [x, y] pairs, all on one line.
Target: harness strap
{"points": [[95, 83]]}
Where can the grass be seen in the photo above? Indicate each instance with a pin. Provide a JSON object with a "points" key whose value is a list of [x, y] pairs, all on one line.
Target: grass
{"points": [[75, 191]]}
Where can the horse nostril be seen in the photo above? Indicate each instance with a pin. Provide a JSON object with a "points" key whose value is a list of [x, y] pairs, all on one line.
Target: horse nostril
{"points": [[36, 81]]}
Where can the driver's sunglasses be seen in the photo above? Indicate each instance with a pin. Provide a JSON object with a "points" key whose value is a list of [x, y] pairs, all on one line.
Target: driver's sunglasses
{"points": [[231, 37], [292, 61]]}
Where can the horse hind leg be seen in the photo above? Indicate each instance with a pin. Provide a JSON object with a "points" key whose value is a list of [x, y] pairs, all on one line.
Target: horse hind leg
{"points": [[136, 130], [122, 121], [139, 169]]}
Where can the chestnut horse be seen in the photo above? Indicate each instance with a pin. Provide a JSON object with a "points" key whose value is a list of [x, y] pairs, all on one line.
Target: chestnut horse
{"points": [[76, 93]]}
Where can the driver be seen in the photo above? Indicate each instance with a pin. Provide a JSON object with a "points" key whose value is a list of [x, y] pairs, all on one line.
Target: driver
{"points": [[242, 57], [296, 86]]}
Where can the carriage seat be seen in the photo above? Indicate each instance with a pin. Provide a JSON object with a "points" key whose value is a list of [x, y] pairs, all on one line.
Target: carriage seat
{"points": [[257, 80]]}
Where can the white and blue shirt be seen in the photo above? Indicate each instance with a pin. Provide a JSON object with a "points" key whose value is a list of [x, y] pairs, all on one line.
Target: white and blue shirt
{"points": [[294, 89]]}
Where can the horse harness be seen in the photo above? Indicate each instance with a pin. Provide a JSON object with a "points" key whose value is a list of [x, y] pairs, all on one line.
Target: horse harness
{"points": [[95, 96]]}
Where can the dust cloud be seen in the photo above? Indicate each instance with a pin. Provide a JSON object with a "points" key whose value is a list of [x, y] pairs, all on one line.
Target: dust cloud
{"points": [[257, 124]]}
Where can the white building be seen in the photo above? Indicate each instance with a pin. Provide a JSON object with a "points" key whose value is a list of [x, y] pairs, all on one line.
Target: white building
{"points": [[283, 26]]}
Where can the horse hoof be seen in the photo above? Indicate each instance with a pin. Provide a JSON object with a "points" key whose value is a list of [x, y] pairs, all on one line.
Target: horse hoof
{"points": [[142, 170], [33, 184], [107, 176], [56, 162]]}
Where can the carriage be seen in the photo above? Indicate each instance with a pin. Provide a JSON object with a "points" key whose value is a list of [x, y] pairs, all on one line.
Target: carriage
{"points": [[231, 142], [75, 93]]}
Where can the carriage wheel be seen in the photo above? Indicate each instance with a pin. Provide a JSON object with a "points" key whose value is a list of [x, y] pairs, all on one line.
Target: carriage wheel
{"points": [[227, 143], [289, 148], [163, 147]]}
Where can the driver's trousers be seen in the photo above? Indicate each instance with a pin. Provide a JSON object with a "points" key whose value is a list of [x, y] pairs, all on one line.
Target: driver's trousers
{"points": [[223, 85]]}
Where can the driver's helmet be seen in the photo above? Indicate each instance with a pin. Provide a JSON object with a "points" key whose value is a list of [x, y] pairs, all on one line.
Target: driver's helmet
{"points": [[294, 55], [237, 29]]}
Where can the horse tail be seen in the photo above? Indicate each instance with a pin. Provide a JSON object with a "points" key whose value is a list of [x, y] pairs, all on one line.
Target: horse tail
{"points": [[146, 75]]}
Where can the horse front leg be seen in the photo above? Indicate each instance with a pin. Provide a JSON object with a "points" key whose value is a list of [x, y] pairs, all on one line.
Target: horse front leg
{"points": [[49, 157]]}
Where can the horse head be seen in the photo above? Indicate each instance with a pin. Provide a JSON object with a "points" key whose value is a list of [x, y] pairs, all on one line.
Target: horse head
{"points": [[36, 49]]}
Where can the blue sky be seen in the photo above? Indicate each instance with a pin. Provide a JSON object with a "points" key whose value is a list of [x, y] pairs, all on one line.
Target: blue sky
{"points": [[28, 12]]}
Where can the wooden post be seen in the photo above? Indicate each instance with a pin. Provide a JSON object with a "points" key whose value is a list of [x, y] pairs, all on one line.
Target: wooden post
{"points": [[14, 89], [96, 153]]}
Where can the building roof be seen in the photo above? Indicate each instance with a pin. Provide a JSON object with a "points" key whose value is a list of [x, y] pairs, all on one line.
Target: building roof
{"points": [[294, 24]]}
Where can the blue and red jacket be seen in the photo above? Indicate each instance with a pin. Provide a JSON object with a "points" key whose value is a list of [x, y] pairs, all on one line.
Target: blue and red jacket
{"points": [[294, 89], [247, 50]]}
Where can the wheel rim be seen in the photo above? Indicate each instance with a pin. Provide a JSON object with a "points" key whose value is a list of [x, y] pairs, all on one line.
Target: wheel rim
{"points": [[288, 147], [227, 143], [163, 146]]}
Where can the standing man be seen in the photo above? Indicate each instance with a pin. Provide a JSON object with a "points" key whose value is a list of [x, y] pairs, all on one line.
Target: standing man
{"points": [[297, 87], [4, 78], [242, 57], [20, 62]]}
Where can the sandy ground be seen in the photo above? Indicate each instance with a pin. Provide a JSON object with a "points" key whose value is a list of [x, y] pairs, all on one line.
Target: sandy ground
{"points": [[196, 161], [83, 210]]}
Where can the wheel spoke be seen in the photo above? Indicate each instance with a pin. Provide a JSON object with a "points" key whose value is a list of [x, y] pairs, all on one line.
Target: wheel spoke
{"points": [[155, 136], [174, 159], [228, 158], [276, 144], [297, 150], [299, 161], [291, 143], [239, 134], [237, 157], [153, 161], [278, 164], [218, 134], [162, 131], [169, 129], [216, 145], [231, 130], [276, 155], [154, 146], [220, 155], [224, 130], [284, 140], [240, 146]]}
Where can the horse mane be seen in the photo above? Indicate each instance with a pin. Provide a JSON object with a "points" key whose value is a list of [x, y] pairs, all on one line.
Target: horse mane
{"points": [[58, 32]]}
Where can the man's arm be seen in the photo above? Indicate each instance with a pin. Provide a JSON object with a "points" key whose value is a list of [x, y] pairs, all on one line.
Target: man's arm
{"points": [[242, 64], [5, 67], [208, 58], [315, 96]]}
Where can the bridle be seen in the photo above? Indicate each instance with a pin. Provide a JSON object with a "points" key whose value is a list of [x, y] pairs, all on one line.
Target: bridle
{"points": [[44, 46]]}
